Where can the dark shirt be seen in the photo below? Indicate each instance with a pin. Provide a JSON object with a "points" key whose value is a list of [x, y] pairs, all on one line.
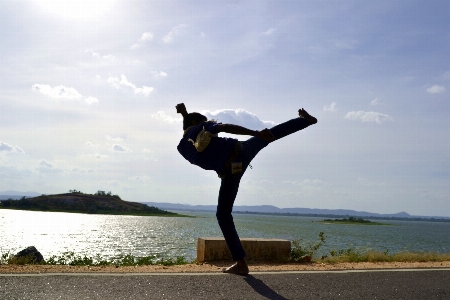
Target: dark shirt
{"points": [[214, 156]]}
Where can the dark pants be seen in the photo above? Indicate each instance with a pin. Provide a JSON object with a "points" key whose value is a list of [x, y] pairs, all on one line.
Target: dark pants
{"points": [[230, 183]]}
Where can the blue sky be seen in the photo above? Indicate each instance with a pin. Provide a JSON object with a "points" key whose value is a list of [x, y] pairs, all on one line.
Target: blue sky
{"points": [[89, 88]]}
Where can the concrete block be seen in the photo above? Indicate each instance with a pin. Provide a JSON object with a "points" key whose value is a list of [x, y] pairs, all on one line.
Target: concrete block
{"points": [[257, 249]]}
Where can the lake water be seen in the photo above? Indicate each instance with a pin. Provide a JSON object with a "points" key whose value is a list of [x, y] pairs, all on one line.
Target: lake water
{"points": [[109, 236]]}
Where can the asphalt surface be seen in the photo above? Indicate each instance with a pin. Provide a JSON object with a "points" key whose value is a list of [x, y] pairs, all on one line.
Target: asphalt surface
{"points": [[394, 284]]}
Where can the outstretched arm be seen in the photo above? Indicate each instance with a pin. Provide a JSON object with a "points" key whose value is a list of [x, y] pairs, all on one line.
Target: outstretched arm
{"points": [[181, 109], [264, 134]]}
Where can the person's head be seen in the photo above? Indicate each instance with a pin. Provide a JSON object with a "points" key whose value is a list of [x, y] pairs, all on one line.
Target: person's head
{"points": [[193, 119]]}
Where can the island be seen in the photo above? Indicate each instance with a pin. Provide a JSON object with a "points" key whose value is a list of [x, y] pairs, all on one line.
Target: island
{"points": [[78, 202], [352, 221]]}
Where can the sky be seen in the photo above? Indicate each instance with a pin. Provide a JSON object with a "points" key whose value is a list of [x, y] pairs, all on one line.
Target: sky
{"points": [[89, 88]]}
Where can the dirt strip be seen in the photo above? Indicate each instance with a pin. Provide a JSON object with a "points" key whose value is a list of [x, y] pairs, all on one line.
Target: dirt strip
{"points": [[217, 267]]}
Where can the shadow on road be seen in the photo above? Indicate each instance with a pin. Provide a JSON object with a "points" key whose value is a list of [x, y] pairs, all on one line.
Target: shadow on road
{"points": [[263, 289]]}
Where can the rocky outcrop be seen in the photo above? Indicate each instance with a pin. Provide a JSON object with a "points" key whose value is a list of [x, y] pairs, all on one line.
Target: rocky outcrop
{"points": [[29, 255], [84, 203]]}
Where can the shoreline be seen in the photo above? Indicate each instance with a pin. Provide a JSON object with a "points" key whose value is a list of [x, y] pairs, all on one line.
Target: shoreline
{"points": [[216, 267]]}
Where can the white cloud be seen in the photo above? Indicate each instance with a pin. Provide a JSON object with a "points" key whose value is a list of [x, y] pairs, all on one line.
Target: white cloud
{"points": [[149, 154], [331, 107], [160, 115], [143, 178], [238, 117], [124, 81], [265, 182], [289, 182], [436, 89], [18, 149], [47, 167], [120, 148], [116, 83], [146, 37], [89, 144], [46, 164], [270, 31], [116, 139], [309, 182], [82, 170], [158, 74], [4, 147], [62, 92], [92, 156], [91, 100], [374, 102], [176, 31], [305, 182], [97, 55], [145, 90], [231, 116], [57, 92], [368, 116]]}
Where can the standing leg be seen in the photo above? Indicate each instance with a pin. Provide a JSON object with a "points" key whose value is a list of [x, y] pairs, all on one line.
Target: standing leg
{"points": [[227, 194]]}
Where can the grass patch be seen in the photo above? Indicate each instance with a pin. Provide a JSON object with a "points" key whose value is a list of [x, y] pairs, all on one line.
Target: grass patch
{"points": [[353, 255], [300, 249], [71, 259]]}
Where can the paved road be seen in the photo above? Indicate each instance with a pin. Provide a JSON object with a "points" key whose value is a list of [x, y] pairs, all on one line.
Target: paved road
{"points": [[406, 284]]}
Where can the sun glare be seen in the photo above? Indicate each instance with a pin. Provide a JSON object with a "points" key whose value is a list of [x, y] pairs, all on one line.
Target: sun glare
{"points": [[77, 9]]}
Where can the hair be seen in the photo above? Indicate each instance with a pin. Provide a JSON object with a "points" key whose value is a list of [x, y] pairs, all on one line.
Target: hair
{"points": [[187, 121]]}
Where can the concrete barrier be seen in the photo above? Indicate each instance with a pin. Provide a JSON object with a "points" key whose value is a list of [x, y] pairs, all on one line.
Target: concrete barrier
{"points": [[215, 248]]}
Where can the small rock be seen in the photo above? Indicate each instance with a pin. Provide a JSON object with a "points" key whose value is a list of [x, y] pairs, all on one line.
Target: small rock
{"points": [[31, 253], [305, 259]]}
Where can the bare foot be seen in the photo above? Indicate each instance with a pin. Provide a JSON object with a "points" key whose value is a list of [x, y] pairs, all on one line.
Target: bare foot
{"points": [[239, 268], [304, 114]]}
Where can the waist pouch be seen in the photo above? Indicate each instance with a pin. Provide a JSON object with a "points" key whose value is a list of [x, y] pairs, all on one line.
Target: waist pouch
{"points": [[231, 166]]}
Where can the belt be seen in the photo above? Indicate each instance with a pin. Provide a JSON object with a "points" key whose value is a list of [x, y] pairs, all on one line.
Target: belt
{"points": [[233, 155]]}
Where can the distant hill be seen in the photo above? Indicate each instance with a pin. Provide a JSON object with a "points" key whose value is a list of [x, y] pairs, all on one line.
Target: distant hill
{"points": [[84, 203], [300, 211]]}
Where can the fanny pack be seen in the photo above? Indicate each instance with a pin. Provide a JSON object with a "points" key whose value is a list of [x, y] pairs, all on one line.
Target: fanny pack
{"points": [[203, 139], [231, 165]]}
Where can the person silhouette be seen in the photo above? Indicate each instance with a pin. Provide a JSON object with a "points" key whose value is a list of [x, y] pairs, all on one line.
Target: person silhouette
{"points": [[201, 146]]}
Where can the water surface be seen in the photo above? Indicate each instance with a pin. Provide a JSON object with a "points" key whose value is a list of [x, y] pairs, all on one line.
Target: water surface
{"points": [[55, 233]]}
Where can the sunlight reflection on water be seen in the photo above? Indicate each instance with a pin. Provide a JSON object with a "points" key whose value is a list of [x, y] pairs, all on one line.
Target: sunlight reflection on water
{"points": [[109, 236]]}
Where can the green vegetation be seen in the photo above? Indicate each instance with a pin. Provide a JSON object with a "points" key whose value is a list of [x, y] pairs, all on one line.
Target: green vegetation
{"points": [[352, 220], [299, 249], [71, 259], [353, 255], [78, 202]]}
